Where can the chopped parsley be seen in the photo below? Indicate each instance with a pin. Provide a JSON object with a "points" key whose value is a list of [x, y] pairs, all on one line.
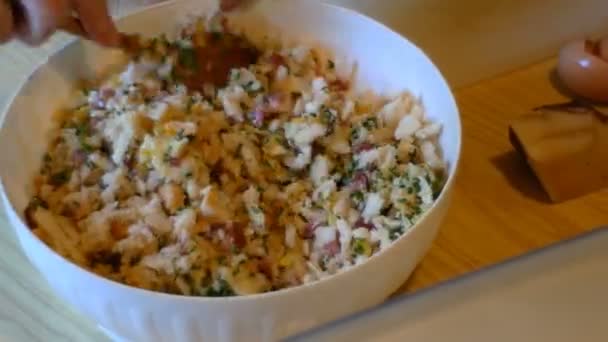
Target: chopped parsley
{"points": [[252, 86], [81, 129], [167, 154], [351, 167], [413, 154], [180, 134], [61, 177], [328, 116], [416, 185], [38, 202], [361, 247], [395, 233], [86, 147], [357, 197], [187, 58], [394, 172], [355, 134], [221, 288], [235, 75], [221, 260], [370, 123], [323, 263]]}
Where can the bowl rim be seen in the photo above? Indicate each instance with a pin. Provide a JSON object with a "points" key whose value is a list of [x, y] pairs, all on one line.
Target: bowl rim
{"points": [[289, 291]]}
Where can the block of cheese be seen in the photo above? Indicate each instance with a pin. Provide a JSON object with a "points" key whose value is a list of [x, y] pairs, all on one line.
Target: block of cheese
{"points": [[566, 146]]}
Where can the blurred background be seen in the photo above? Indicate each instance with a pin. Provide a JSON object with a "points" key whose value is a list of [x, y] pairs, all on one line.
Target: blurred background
{"points": [[475, 39]]}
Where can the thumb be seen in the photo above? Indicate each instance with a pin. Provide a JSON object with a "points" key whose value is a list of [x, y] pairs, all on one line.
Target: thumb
{"points": [[231, 5], [96, 21], [6, 22]]}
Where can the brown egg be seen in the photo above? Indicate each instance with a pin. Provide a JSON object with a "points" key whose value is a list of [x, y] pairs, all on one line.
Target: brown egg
{"points": [[583, 68]]}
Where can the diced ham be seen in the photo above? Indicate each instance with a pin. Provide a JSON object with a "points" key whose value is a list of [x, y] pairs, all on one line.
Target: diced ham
{"points": [[277, 60], [361, 223], [364, 146], [332, 248], [237, 234], [309, 231], [359, 182], [79, 157]]}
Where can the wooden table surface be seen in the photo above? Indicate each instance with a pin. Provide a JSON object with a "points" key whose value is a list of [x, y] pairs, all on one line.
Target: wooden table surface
{"points": [[499, 210]]}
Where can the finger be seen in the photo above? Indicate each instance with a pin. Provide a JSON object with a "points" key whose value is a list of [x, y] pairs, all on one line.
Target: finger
{"points": [[6, 21], [96, 20], [228, 5], [38, 19], [231, 5], [74, 26]]}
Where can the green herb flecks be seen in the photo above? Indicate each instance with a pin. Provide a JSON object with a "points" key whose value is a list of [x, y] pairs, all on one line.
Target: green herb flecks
{"points": [[38, 202], [221, 288], [359, 246], [395, 233], [187, 58], [61, 177], [416, 185], [358, 197], [355, 134], [328, 116], [370, 123], [437, 186]]}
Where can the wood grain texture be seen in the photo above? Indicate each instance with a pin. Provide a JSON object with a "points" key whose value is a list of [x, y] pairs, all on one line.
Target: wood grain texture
{"points": [[499, 209]]}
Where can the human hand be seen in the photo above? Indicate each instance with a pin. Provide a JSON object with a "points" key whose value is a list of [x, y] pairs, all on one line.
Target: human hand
{"points": [[230, 5], [33, 21]]}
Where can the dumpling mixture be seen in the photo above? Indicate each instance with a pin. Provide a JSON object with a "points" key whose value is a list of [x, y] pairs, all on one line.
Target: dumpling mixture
{"points": [[282, 177]]}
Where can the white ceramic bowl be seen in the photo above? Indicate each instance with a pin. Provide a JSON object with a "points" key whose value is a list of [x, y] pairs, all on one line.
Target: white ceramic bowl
{"points": [[387, 62]]}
